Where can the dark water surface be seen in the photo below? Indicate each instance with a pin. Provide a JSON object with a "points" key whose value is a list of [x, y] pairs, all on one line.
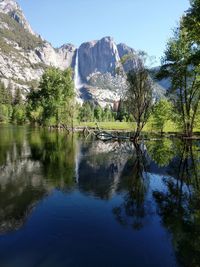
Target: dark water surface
{"points": [[72, 201]]}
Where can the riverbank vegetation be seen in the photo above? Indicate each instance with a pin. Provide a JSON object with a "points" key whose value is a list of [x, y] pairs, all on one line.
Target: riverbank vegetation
{"points": [[54, 105]]}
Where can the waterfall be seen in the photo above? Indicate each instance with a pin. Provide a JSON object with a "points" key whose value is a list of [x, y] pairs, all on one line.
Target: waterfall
{"points": [[77, 78]]}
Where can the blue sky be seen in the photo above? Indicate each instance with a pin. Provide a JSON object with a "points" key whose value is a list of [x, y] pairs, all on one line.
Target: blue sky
{"points": [[142, 24]]}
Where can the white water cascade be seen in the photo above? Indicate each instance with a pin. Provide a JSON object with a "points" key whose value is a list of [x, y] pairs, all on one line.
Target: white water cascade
{"points": [[77, 79]]}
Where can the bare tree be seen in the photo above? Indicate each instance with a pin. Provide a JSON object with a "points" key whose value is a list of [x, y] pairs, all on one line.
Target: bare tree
{"points": [[139, 94]]}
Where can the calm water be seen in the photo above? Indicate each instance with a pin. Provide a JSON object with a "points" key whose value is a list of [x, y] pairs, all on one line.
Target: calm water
{"points": [[73, 201]]}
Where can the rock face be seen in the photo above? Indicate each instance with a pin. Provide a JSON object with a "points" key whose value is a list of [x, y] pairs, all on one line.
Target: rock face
{"points": [[24, 55], [11, 8], [126, 55], [63, 57], [98, 56]]}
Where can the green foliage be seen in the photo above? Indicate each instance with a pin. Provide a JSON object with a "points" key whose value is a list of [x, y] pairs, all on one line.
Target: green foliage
{"points": [[109, 125], [12, 109], [162, 112], [123, 114], [35, 115], [18, 34], [5, 113], [18, 108], [17, 100], [98, 112], [86, 112], [184, 74], [53, 102], [19, 114], [107, 114], [5, 94], [192, 21], [5, 104]]}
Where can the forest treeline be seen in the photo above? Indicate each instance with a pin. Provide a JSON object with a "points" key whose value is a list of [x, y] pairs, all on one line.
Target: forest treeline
{"points": [[54, 105]]}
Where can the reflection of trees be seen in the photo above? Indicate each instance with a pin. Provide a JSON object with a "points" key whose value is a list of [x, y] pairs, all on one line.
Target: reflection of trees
{"points": [[31, 164], [11, 140], [161, 152], [21, 184], [56, 153], [134, 180], [188, 165], [179, 204]]}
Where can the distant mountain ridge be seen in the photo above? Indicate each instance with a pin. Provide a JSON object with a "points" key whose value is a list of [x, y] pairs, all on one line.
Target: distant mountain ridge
{"points": [[24, 55]]}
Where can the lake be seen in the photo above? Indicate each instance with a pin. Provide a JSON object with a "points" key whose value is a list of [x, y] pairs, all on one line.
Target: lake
{"points": [[76, 201]]}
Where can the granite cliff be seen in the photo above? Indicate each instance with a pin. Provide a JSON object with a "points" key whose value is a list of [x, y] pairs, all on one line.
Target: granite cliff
{"points": [[23, 54]]}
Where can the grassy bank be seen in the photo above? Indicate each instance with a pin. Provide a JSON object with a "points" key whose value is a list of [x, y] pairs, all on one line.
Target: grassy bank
{"points": [[126, 126]]}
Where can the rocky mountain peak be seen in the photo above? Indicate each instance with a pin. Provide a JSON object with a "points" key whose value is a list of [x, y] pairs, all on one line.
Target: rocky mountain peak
{"points": [[7, 6], [98, 56], [124, 49], [126, 55], [67, 47], [12, 8]]}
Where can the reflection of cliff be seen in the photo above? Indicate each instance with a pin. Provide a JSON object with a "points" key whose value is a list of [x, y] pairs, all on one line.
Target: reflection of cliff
{"points": [[101, 166]]}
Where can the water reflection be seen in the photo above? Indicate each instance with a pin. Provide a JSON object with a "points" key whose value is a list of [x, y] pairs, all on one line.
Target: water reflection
{"points": [[56, 154], [179, 203], [135, 182], [155, 184], [101, 167], [25, 160], [161, 152]]}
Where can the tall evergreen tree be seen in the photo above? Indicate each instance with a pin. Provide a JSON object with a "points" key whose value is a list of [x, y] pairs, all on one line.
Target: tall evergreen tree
{"points": [[5, 103], [18, 97]]}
